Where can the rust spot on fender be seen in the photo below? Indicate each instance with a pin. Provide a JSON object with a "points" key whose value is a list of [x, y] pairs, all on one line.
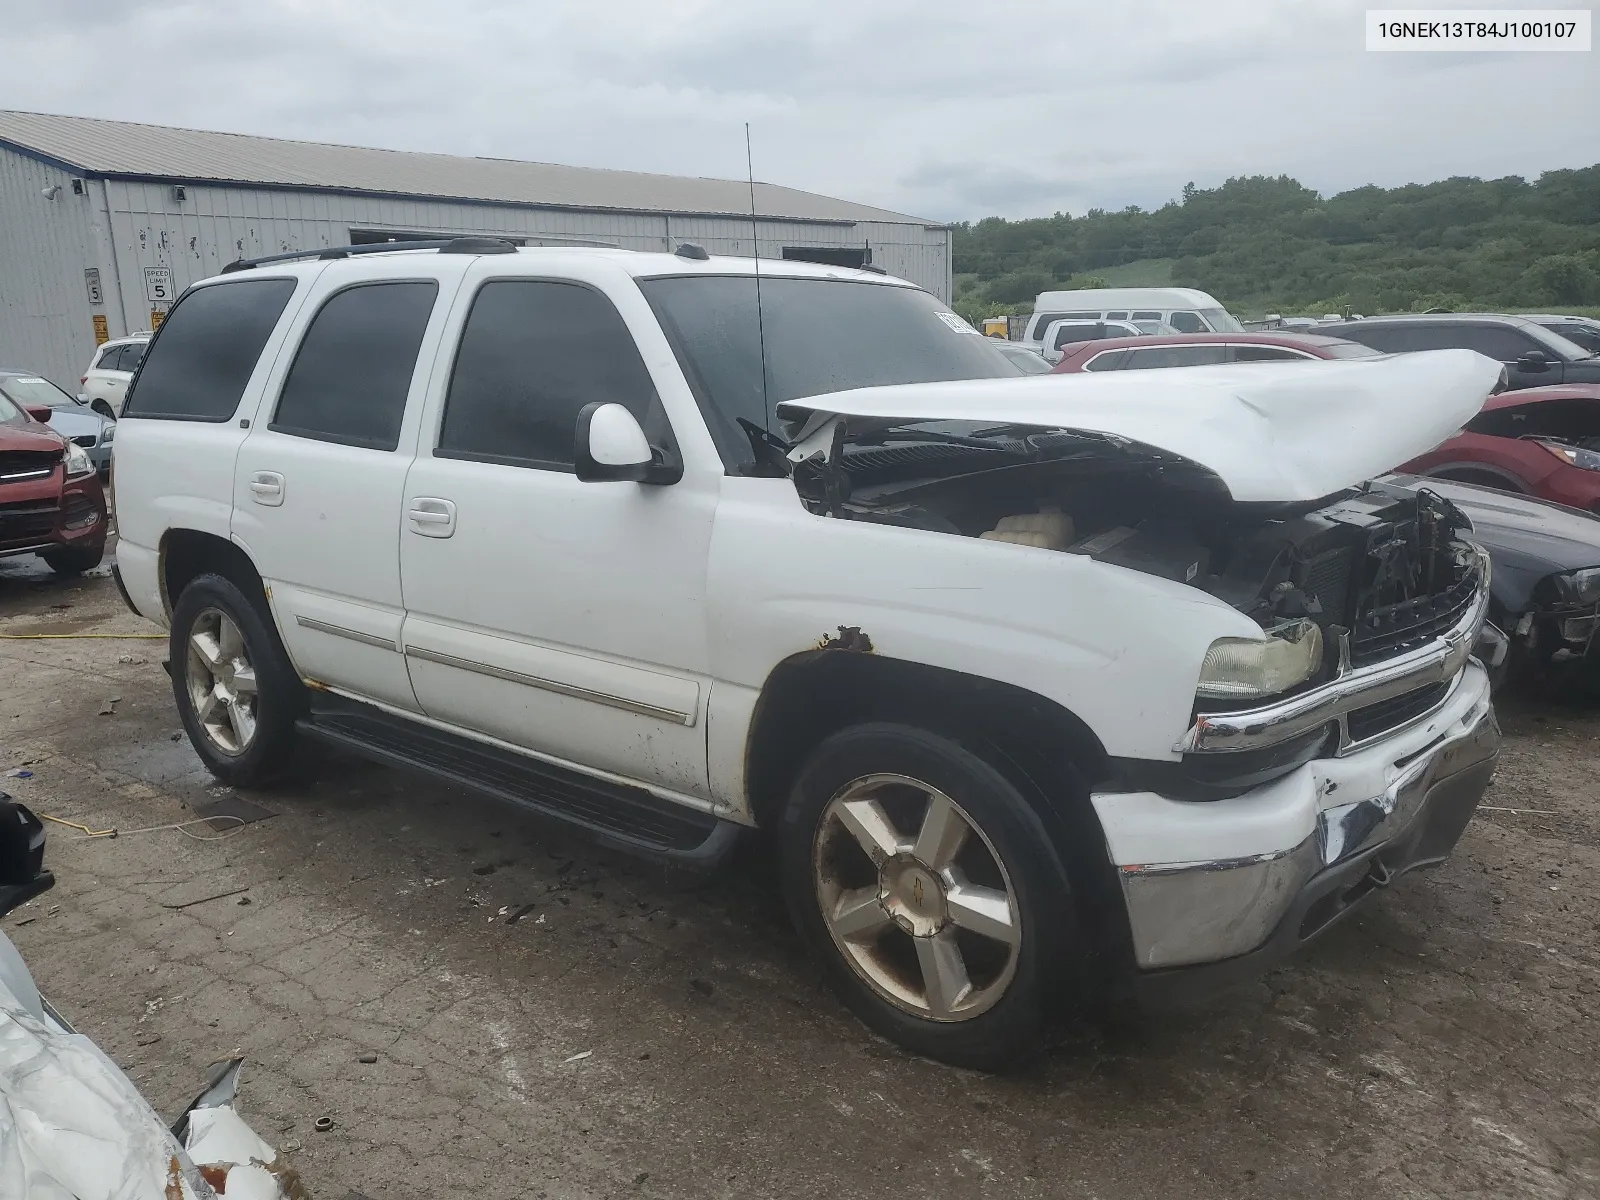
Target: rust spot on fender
{"points": [[849, 637], [216, 1175]]}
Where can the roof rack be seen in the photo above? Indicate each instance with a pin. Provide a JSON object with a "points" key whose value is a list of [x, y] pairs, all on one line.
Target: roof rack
{"points": [[460, 245]]}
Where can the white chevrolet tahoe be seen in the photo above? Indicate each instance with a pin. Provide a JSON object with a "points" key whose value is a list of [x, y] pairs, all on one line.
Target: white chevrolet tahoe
{"points": [[1048, 688]]}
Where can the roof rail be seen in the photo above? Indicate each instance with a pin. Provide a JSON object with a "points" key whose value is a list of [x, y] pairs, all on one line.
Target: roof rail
{"points": [[460, 245]]}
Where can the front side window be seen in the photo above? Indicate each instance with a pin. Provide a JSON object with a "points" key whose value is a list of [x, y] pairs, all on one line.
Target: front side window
{"points": [[353, 370], [1187, 322], [819, 335], [1495, 341], [1067, 334], [1219, 320], [533, 353], [1175, 356], [198, 366], [1585, 336]]}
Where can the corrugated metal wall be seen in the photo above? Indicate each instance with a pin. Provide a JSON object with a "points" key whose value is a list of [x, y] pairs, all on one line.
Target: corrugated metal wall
{"points": [[214, 225], [46, 322]]}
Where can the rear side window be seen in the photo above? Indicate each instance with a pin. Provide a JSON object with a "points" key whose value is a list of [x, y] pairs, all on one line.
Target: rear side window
{"points": [[1145, 316], [197, 367], [353, 370], [533, 353], [109, 358], [1267, 354], [1111, 360], [1174, 356], [1187, 322]]}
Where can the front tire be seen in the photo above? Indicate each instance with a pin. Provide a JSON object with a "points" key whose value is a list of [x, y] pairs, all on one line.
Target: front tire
{"points": [[236, 691], [926, 886]]}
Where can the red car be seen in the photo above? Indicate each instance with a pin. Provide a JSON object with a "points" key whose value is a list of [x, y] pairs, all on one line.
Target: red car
{"points": [[51, 503], [1204, 349], [1542, 441]]}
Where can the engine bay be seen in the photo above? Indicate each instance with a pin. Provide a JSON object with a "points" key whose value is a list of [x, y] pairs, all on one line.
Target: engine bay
{"points": [[1371, 565]]}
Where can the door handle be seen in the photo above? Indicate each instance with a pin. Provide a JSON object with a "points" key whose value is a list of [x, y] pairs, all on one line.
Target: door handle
{"points": [[266, 487], [431, 516]]}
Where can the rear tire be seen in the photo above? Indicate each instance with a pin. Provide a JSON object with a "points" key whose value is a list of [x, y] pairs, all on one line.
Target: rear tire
{"points": [[236, 691], [74, 560], [928, 890]]}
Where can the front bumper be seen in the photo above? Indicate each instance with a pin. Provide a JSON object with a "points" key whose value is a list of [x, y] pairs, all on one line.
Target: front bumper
{"points": [[1223, 889]]}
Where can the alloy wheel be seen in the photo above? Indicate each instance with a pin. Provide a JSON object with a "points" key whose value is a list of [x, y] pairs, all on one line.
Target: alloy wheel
{"points": [[916, 898], [221, 682]]}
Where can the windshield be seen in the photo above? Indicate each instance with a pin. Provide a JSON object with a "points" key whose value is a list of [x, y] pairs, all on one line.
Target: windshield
{"points": [[1585, 336], [821, 335], [1221, 320], [1559, 344], [31, 389]]}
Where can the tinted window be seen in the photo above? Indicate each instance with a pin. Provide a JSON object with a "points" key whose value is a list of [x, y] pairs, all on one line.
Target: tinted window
{"points": [[1187, 322], [198, 365], [353, 370], [822, 335], [1041, 321], [1266, 354], [1111, 360], [1349, 350], [133, 355], [109, 359], [1175, 356], [1145, 316], [1117, 316], [1067, 334], [1585, 336], [533, 353], [1497, 341]]}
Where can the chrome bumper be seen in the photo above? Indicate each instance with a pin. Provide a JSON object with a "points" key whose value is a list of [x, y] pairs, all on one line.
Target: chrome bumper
{"points": [[1200, 912], [1353, 688]]}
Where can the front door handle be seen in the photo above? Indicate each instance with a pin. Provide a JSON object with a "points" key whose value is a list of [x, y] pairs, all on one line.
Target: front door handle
{"points": [[431, 516], [266, 487]]}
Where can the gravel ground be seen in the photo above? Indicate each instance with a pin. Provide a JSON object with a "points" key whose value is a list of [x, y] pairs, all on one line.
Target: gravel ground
{"points": [[639, 1032]]}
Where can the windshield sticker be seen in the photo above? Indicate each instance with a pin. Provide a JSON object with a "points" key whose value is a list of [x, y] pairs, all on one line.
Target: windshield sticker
{"points": [[956, 323], [28, 379]]}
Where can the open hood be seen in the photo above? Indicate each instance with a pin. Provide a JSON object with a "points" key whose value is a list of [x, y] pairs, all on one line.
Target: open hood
{"points": [[1273, 432]]}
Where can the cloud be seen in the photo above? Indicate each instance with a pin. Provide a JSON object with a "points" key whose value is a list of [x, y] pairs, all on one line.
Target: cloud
{"points": [[939, 108]]}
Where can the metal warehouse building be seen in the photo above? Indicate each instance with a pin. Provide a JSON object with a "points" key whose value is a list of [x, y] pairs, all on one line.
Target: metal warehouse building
{"points": [[104, 223]]}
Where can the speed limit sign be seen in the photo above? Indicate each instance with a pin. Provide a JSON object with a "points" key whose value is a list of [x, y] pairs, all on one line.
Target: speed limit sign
{"points": [[158, 285]]}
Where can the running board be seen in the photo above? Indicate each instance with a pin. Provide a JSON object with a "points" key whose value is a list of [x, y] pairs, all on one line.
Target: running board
{"points": [[621, 815]]}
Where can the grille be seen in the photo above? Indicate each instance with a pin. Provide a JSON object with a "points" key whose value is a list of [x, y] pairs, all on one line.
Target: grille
{"points": [[26, 463], [1397, 710], [1396, 628], [28, 520]]}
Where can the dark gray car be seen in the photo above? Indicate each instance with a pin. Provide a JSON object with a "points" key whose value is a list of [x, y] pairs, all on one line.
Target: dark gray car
{"points": [[1532, 354]]}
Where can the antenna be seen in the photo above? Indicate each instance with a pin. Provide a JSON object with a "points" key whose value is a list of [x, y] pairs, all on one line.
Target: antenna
{"points": [[755, 248]]}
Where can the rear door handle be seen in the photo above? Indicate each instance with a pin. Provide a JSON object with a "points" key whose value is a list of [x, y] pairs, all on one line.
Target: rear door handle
{"points": [[266, 487], [431, 516]]}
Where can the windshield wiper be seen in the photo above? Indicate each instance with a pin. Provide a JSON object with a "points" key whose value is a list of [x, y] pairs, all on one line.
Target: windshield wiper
{"points": [[932, 435]]}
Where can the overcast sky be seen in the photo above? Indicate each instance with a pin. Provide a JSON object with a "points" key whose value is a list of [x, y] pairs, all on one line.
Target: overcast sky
{"points": [[944, 109]]}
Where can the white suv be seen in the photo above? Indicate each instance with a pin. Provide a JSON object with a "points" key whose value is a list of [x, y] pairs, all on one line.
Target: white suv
{"points": [[104, 384], [1042, 686]]}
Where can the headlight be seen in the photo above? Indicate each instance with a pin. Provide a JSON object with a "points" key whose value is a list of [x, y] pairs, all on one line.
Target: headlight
{"points": [[1580, 587], [77, 461], [108, 435], [1245, 667], [1573, 456]]}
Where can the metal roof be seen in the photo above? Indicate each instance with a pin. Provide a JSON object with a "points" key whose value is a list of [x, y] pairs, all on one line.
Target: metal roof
{"points": [[123, 149]]}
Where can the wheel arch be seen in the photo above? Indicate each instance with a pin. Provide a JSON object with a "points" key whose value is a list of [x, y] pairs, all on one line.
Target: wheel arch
{"points": [[1048, 752], [1481, 473], [187, 553]]}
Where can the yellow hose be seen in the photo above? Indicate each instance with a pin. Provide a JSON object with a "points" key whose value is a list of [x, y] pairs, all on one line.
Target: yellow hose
{"points": [[51, 637]]}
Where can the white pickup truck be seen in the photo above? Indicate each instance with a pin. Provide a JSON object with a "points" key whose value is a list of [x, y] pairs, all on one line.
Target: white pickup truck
{"points": [[1042, 686]]}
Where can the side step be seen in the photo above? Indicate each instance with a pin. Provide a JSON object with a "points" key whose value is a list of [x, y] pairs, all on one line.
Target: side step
{"points": [[629, 818]]}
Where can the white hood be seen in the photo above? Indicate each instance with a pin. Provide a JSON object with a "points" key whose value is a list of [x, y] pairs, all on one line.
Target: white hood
{"points": [[1278, 432]]}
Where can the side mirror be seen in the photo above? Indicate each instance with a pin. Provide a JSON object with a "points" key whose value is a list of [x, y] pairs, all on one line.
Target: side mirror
{"points": [[39, 412], [611, 447], [1533, 360], [22, 873]]}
